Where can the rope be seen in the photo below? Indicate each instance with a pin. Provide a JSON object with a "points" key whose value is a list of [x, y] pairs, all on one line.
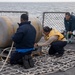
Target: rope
{"points": [[7, 56], [4, 50]]}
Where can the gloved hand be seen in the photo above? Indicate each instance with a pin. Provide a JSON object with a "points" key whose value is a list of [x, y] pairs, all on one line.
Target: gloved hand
{"points": [[74, 32]]}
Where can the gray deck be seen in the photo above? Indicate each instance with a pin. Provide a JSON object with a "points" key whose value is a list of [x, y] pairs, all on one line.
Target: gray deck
{"points": [[39, 67], [70, 71]]}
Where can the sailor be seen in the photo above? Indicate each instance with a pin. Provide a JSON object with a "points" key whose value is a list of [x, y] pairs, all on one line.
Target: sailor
{"points": [[55, 39], [69, 22], [24, 40]]}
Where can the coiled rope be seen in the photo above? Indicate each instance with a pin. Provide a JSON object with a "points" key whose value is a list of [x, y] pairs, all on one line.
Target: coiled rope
{"points": [[7, 56]]}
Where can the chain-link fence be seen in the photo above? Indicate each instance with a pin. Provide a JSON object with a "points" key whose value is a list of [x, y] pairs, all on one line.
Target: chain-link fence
{"points": [[54, 20]]}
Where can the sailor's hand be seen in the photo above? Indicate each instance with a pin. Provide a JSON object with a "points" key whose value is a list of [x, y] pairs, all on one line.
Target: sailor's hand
{"points": [[69, 32], [35, 45]]}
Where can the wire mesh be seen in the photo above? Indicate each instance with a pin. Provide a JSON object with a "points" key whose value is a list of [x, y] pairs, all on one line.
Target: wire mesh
{"points": [[54, 20]]}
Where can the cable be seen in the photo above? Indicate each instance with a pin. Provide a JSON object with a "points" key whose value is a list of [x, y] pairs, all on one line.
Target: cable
{"points": [[7, 56]]}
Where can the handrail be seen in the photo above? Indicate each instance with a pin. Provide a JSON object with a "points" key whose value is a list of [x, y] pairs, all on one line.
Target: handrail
{"points": [[53, 12], [14, 12]]}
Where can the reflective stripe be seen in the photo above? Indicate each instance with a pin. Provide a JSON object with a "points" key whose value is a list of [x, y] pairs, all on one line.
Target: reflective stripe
{"points": [[25, 50]]}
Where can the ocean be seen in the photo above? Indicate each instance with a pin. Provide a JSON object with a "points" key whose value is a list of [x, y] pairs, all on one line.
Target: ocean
{"points": [[37, 9]]}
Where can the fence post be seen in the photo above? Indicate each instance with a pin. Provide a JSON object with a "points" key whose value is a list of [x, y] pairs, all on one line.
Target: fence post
{"points": [[43, 19]]}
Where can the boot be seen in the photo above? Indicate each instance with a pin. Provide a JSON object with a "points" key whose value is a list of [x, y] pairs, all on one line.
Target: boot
{"points": [[26, 62], [31, 62], [60, 53]]}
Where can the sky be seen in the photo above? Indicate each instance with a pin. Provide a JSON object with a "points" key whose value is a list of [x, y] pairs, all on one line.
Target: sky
{"points": [[37, 0]]}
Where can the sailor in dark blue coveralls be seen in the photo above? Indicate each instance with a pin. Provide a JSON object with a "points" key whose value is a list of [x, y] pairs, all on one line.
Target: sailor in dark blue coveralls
{"points": [[24, 40], [69, 22]]}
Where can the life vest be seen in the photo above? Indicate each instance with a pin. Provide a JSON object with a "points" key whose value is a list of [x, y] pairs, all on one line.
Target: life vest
{"points": [[54, 32]]}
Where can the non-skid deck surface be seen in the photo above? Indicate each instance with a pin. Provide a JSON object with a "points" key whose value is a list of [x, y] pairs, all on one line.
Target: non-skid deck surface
{"points": [[44, 64]]}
